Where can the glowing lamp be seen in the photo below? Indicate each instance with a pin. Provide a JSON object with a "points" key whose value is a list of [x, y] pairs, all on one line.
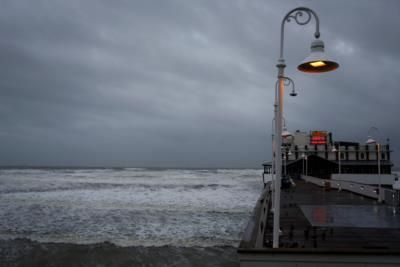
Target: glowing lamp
{"points": [[317, 61], [318, 64]]}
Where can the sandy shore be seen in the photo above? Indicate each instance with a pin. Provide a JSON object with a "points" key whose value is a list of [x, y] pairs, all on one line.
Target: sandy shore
{"points": [[24, 252]]}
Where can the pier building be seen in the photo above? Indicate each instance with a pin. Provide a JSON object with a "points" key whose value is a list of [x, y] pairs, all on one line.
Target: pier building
{"points": [[318, 154]]}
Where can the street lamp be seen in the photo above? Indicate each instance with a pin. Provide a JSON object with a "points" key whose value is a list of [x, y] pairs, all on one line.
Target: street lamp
{"points": [[305, 158], [288, 139], [339, 156], [371, 141], [285, 157], [317, 62], [289, 153]]}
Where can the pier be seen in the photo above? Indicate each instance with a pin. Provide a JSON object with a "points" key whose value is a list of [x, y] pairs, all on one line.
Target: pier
{"points": [[325, 223]]}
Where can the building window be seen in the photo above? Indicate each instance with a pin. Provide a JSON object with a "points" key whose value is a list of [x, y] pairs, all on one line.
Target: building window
{"points": [[362, 156], [383, 156], [341, 155]]}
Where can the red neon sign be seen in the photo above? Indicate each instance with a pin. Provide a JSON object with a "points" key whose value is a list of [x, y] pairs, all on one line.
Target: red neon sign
{"points": [[319, 138]]}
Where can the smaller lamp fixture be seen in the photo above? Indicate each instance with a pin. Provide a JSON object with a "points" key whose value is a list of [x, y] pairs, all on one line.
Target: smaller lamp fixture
{"points": [[370, 141], [286, 133], [317, 61], [334, 149]]}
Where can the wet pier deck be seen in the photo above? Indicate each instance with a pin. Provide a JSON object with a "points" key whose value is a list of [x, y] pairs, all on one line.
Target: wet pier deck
{"points": [[312, 217], [319, 224]]}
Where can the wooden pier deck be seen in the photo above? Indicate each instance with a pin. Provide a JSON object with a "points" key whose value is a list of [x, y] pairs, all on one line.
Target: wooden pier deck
{"points": [[318, 224], [312, 217]]}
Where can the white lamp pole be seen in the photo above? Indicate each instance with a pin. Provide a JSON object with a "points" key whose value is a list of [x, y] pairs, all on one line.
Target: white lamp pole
{"points": [[289, 153], [285, 157], [340, 159], [287, 136], [317, 62], [306, 165], [371, 141], [273, 175], [378, 147], [339, 156]]}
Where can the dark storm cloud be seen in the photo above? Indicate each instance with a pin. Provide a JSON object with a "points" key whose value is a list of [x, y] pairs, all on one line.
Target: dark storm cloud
{"points": [[184, 83]]}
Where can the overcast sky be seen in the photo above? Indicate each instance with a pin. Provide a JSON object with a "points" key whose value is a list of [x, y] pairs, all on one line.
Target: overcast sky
{"points": [[186, 83]]}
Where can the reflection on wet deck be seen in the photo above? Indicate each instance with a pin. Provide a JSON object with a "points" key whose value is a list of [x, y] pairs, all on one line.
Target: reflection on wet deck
{"points": [[312, 217], [361, 216]]}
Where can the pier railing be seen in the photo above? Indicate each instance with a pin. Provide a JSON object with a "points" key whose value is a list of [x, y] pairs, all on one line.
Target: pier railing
{"points": [[391, 197], [253, 236]]}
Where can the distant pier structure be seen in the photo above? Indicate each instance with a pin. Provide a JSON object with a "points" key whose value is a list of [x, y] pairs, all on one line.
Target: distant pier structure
{"points": [[317, 154]]}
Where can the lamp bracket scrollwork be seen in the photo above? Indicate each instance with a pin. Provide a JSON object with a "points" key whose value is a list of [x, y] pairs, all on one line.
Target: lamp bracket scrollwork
{"points": [[287, 82], [302, 16]]}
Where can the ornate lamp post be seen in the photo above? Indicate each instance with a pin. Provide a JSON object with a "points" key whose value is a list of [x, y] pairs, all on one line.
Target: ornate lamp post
{"points": [[316, 62]]}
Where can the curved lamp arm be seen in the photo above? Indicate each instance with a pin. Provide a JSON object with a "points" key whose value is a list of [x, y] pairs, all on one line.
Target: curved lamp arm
{"points": [[296, 15], [288, 81]]}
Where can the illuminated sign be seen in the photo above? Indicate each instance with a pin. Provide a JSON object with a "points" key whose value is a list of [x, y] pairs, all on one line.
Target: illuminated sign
{"points": [[319, 138]]}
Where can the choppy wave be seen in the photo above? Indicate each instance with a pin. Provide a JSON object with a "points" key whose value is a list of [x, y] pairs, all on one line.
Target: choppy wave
{"points": [[127, 206], [25, 252]]}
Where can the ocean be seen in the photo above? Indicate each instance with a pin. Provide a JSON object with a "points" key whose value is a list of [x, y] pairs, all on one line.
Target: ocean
{"points": [[196, 214]]}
